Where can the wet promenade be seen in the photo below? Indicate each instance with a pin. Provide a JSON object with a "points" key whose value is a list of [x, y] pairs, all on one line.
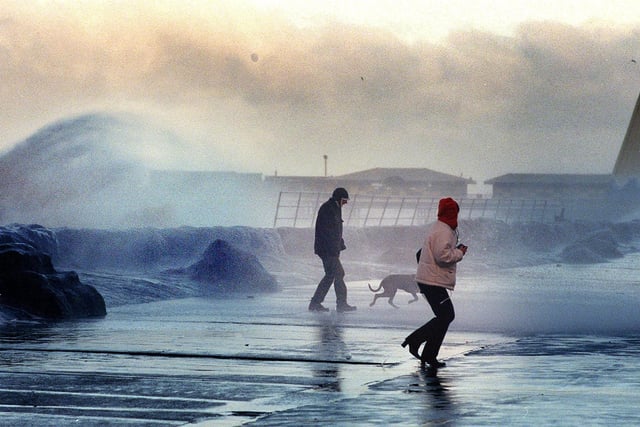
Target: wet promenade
{"points": [[265, 360]]}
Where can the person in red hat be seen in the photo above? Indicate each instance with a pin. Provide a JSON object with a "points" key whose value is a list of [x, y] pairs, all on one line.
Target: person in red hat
{"points": [[436, 275]]}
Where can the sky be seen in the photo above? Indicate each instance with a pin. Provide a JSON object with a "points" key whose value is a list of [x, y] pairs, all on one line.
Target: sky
{"points": [[473, 88]]}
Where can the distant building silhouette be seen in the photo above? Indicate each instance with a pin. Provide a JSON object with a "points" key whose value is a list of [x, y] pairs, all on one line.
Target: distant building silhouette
{"points": [[551, 186], [407, 182], [419, 182], [628, 161], [577, 186]]}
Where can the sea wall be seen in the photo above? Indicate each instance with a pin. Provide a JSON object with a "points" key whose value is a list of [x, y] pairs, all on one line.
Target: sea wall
{"points": [[489, 241], [150, 249]]}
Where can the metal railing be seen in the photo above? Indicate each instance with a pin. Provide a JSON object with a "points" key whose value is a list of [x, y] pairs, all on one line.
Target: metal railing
{"points": [[299, 209]]}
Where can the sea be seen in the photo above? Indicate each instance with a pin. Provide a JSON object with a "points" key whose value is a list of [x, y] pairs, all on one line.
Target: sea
{"points": [[551, 344]]}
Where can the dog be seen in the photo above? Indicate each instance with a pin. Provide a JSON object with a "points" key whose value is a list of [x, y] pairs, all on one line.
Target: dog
{"points": [[391, 284]]}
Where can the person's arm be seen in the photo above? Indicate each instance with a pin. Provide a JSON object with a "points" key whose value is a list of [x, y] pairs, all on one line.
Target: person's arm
{"points": [[328, 231], [444, 250]]}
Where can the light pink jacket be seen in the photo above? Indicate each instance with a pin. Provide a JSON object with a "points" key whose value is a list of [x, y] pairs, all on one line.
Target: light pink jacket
{"points": [[439, 257]]}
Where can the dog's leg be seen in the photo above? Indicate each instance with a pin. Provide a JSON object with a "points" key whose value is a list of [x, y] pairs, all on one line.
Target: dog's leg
{"points": [[375, 297], [391, 302], [415, 298]]}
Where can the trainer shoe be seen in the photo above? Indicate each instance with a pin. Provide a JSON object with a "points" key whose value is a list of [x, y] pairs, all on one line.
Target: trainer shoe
{"points": [[316, 306], [343, 308]]}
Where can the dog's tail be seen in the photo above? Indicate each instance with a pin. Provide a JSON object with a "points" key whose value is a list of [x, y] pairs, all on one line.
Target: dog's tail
{"points": [[374, 290]]}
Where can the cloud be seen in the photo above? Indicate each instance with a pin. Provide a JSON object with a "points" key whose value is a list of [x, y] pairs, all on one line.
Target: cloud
{"points": [[550, 98]]}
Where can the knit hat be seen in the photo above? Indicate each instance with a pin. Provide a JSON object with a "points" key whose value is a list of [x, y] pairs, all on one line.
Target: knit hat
{"points": [[339, 193], [448, 212]]}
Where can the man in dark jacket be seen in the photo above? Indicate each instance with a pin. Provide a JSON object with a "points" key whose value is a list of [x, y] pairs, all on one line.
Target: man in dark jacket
{"points": [[328, 244]]}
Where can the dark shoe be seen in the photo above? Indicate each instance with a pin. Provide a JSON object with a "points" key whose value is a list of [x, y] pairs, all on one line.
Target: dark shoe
{"points": [[316, 306], [343, 308], [413, 348], [434, 364]]}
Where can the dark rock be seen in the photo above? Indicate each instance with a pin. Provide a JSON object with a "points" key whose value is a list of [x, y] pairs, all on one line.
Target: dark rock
{"points": [[149, 249], [600, 246], [231, 270], [29, 282], [580, 255], [18, 257], [34, 235]]}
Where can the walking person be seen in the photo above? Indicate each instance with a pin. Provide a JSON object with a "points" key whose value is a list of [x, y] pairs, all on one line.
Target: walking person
{"points": [[436, 275], [327, 245]]}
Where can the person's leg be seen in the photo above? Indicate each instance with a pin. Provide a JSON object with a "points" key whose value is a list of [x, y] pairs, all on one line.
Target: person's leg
{"points": [[338, 282], [325, 283], [442, 307], [420, 335], [423, 333], [341, 288]]}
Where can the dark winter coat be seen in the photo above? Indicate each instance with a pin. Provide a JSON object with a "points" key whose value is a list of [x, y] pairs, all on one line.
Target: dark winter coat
{"points": [[328, 241]]}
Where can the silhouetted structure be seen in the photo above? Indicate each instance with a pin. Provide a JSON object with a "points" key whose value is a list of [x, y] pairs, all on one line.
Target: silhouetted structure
{"points": [[551, 186], [628, 161], [419, 182]]}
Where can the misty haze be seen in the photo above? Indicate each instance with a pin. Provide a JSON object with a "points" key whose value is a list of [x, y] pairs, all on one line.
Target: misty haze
{"points": [[161, 171]]}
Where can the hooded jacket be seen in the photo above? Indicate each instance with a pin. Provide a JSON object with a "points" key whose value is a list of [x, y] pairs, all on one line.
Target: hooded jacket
{"points": [[328, 238], [439, 255]]}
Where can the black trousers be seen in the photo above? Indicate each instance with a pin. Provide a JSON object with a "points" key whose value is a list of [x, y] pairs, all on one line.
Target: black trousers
{"points": [[434, 330], [333, 275]]}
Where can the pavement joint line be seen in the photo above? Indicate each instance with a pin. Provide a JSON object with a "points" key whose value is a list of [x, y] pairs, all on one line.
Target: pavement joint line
{"points": [[204, 356], [339, 325]]}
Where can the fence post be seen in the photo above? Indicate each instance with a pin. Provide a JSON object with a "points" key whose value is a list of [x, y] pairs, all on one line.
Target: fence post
{"points": [[275, 220], [415, 210], [484, 208], [366, 217], [295, 216], [399, 211], [384, 211], [473, 202], [429, 211], [315, 209], [353, 206]]}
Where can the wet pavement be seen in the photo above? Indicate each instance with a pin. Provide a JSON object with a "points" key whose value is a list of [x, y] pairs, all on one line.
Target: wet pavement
{"points": [[265, 360]]}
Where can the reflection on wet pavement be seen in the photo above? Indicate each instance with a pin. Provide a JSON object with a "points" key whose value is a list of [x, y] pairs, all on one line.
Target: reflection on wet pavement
{"points": [[270, 362]]}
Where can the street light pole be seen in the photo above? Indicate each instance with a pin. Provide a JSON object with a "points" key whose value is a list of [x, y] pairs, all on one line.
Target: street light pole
{"points": [[325, 165]]}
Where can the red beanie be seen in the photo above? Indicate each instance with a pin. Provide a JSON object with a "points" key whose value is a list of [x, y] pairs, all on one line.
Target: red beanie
{"points": [[448, 212]]}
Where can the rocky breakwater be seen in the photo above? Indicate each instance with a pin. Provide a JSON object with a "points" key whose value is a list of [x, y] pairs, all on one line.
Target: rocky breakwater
{"points": [[30, 285], [228, 269]]}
